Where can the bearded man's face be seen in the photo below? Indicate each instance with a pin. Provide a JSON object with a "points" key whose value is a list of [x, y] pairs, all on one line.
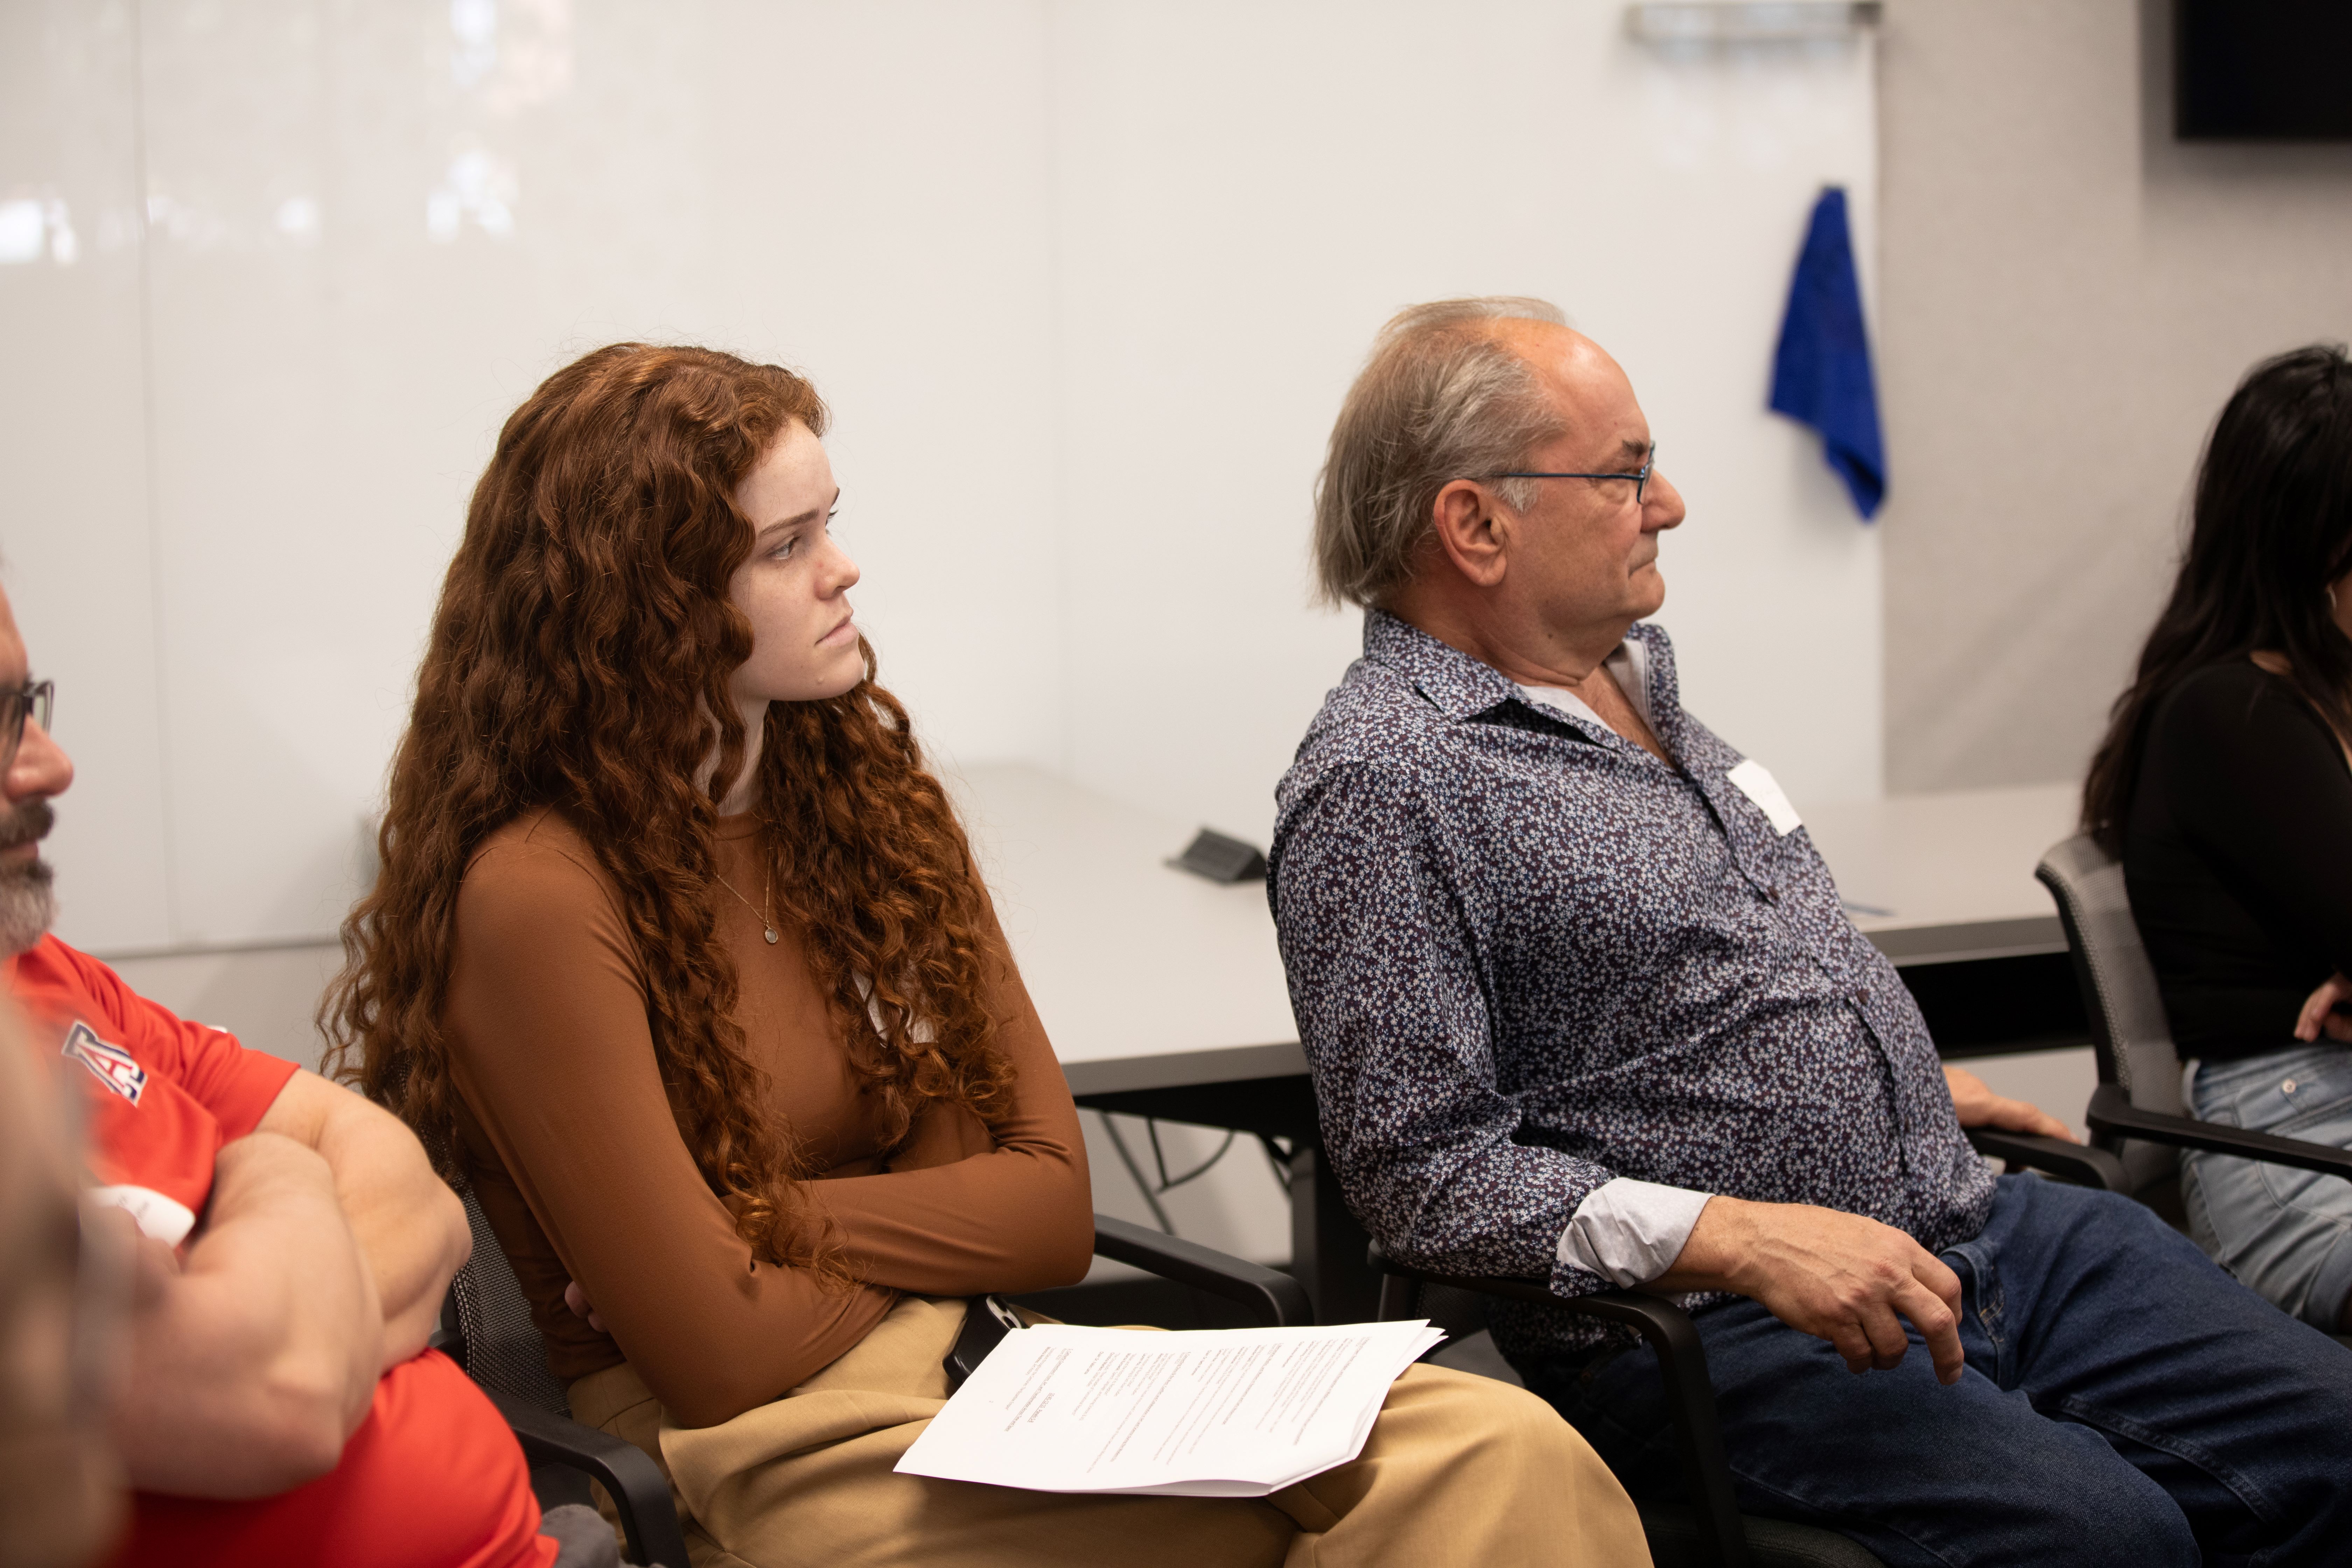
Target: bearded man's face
{"points": [[28, 902]]}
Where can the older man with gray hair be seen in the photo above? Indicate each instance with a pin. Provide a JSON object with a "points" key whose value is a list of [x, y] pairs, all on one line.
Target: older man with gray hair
{"points": [[1581, 1004]]}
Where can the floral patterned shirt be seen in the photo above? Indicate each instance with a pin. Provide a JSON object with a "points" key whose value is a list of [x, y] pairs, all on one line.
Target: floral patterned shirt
{"points": [[1527, 957]]}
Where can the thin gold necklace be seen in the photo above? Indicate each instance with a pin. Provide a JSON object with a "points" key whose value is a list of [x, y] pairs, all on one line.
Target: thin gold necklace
{"points": [[766, 894]]}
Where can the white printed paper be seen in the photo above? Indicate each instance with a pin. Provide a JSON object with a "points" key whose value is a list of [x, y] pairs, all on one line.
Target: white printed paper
{"points": [[1213, 1413], [1757, 783]]}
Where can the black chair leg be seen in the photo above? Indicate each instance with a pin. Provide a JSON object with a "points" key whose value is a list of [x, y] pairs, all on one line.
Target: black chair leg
{"points": [[1682, 1361], [640, 1492]]}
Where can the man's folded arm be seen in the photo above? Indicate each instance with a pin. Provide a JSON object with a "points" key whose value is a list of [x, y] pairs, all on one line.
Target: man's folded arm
{"points": [[256, 1357], [1390, 1013], [411, 1227]]}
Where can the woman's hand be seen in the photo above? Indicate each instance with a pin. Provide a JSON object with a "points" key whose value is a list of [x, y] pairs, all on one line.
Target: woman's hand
{"points": [[577, 1300], [2319, 1014], [1980, 1106]]}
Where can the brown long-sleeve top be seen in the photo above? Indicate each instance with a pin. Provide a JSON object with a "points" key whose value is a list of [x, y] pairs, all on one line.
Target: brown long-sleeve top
{"points": [[584, 1172]]}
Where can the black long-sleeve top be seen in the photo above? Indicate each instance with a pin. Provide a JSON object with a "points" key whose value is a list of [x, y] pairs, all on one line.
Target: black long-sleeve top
{"points": [[2238, 856]]}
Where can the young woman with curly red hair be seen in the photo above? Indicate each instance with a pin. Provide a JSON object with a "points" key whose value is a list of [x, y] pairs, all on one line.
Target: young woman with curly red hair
{"points": [[679, 957]]}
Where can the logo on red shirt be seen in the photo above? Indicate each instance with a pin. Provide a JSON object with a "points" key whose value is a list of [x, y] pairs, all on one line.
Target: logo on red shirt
{"points": [[115, 1067]]}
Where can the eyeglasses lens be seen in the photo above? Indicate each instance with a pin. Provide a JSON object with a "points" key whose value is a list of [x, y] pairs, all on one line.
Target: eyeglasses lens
{"points": [[31, 702]]}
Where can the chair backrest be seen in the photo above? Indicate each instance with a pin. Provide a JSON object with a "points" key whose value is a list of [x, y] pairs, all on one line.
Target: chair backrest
{"points": [[2129, 1032], [503, 1350]]}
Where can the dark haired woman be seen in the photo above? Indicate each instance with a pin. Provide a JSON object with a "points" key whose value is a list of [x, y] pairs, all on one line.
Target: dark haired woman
{"points": [[2224, 787], [680, 956]]}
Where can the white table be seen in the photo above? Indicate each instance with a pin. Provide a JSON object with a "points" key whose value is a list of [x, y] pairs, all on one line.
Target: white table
{"points": [[1946, 878], [1146, 976], [1149, 977]]}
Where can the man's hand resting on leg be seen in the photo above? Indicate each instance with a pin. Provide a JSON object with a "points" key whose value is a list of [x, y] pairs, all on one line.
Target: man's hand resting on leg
{"points": [[1838, 1276]]}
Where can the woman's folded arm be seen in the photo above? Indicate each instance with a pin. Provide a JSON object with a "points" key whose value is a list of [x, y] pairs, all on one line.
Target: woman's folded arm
{"points": [[554, 1057], [960, 1212]]}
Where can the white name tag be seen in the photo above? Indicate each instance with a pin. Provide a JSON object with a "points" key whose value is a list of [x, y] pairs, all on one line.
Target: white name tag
{"points": [[1757, 783]]}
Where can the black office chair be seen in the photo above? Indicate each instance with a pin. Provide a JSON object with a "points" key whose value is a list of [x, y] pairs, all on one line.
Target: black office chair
{"points": [[2137, 1111], [1707, 1531], [486, 1328]]}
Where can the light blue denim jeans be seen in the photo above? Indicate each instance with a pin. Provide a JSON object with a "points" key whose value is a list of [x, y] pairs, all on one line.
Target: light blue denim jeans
{"points": [[2284, 1233]]}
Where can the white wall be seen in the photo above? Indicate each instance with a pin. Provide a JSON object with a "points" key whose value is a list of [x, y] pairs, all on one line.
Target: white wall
{"points": [[1244, 191], [371, 232], [1084, 283], [76, 530], [2071, 296]]}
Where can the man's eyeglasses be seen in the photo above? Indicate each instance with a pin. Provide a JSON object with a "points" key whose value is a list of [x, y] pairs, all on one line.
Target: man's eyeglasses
{"points": [[1640, 476], [31, 700]]}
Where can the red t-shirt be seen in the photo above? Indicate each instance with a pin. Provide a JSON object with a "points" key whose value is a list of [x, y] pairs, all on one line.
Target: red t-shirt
{"points": [[432, 1476]]}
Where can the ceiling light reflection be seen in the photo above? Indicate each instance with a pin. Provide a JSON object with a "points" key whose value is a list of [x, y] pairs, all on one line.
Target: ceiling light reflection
{"points": [[478, 186], [30, 226], [298, 219], [475, 24]]}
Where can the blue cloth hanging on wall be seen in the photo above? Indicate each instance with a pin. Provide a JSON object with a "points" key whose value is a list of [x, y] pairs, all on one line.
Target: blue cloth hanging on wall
{"points": [[1821, 375]]}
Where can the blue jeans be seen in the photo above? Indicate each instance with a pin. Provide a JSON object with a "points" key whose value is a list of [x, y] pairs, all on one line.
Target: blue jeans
{"points": [[2287, 1234], [2125, 1403]]}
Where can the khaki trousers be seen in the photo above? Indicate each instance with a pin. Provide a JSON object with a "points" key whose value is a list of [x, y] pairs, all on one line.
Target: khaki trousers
{"points": [[1458, 1469]]}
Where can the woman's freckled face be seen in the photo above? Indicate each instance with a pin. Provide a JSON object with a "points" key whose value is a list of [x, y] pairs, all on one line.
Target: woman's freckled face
{"points": [[795, 588]]}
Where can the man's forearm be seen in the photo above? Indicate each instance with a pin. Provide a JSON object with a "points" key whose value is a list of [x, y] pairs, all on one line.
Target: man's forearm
{"points": [[411, 1227], [252, 1362]]}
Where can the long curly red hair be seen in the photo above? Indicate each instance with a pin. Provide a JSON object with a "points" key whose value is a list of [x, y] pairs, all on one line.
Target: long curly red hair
{"points": [[578, 661]]}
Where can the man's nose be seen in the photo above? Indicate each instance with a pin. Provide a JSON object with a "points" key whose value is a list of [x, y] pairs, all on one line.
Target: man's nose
{"points": [[1662, 507], [40, 767]]}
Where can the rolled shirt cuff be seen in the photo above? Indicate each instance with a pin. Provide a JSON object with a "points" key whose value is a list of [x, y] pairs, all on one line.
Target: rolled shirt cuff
{"points": [[1630, 1232]]}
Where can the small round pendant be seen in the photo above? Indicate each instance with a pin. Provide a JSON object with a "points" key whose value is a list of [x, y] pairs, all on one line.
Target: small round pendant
{"points": [[770, 933]]}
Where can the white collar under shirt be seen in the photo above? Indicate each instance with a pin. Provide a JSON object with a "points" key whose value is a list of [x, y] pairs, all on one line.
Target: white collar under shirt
{"points": [[1628, 663]]}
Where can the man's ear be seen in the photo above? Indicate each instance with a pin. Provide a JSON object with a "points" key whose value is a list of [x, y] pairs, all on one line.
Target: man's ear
{"points": [[1472, 533]]}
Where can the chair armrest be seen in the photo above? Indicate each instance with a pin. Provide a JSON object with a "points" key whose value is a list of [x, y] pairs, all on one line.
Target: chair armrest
{"points": [[2080, 1163], [2113, 1113], [1274, 1297], [638, 1489], [448, 1334], [1682, 1361]]}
